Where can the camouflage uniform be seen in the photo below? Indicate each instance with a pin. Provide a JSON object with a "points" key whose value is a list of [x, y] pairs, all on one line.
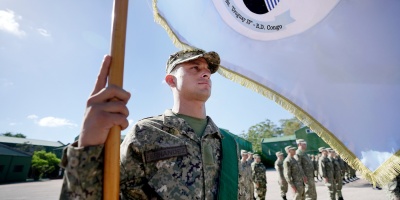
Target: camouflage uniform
{"points": [[250, 160], [281, 181], [245, 192], [161, 158], [326, 171], [259, 178], [393, 189], [337, 175], [294, 176], [308, 169]]}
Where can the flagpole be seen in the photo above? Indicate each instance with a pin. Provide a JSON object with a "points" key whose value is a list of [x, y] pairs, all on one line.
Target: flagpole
{"points": [[111, 154]]}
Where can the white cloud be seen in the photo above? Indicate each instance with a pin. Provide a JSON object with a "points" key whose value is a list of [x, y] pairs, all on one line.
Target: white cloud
{"points": [[43, 32], [8, 23], [373, 159], [32, 117], [6, 83], [130, 122], [55, 122], [51, 121], [13, 124]]}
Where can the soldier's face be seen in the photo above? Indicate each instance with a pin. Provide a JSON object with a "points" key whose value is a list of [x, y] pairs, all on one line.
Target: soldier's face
{"points": [[193, 80], [257, 159], [245, 156]]}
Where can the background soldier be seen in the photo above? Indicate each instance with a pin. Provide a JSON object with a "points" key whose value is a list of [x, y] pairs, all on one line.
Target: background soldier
{"points": [[393, 189], [282, 181], [259, 174], [326, 171], [250, 160], [308, 169], [293, 173], [337, 174], [245, 192]]}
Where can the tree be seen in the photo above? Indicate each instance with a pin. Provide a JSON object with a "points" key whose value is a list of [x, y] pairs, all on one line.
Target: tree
{"points": [[256, 133], [17, 135], [289, 126], [43, 163]]}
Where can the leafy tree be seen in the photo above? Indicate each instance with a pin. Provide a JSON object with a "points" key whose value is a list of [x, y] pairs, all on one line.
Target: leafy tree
{"points": [[17, 135], [43, 162], [256, 133], [289, 126]]}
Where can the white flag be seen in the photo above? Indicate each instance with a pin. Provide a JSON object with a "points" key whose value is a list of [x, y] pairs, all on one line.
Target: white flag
{"points": [[334, 64]]}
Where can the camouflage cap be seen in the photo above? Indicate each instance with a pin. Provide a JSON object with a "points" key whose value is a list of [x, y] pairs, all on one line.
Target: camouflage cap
{"points": [[278, 154], [287, 148], [301, 141], [243, 151], [256, 156], [179, 57], [321, 149], [251, 153]]}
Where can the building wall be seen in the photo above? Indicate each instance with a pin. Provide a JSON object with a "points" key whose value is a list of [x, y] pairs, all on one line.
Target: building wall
{"points": [[14, 168]]}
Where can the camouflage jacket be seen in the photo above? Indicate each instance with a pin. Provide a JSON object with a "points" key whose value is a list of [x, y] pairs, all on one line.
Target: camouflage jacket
{"points": [[292, 171], [279, 168], [325, 167], [258, 173], [244, 180], [305, 162], [337, 172], [161, 158]]}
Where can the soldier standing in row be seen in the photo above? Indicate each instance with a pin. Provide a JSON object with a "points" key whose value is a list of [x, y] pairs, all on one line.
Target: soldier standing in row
{"points": [[245, 192], [259, 175], [282, 181], [337, 174], [308, 169], [393, 189], [293, 173], [325, 169], [250, 160]]}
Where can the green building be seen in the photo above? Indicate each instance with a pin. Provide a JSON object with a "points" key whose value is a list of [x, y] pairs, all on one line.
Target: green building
{"points": [[269, 146], [14, 164]]}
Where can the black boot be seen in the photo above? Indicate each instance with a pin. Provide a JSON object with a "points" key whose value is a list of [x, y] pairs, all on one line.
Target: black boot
{"points": [[340, 198], [284, 198]]}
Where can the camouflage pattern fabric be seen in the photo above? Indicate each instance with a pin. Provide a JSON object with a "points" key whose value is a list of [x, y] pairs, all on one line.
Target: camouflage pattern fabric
{"points": [[259, 179], [337, 176], [307, 166], [245, 183], [326, 171], [393, 189], [294, 176], [161, 158], [281, 181]]}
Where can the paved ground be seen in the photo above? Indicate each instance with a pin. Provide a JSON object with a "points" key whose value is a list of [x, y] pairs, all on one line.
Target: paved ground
{"points": [[50, 189]]}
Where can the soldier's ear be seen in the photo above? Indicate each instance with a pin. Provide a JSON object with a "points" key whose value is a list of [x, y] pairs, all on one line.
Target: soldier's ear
{"points": [[170, 80]]}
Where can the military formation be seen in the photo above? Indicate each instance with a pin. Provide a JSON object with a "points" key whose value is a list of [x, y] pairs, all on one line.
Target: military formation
{"points": [[252, 177]]}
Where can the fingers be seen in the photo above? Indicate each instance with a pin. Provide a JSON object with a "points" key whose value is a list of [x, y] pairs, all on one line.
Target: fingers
{"points": [[110, 93], [103, 74]]}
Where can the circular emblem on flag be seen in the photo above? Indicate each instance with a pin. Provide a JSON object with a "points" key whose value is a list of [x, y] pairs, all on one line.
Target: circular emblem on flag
{"points": [[272, 19]]}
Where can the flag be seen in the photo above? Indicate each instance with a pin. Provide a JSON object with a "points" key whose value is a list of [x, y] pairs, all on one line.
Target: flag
{"points": [[334, 64]]}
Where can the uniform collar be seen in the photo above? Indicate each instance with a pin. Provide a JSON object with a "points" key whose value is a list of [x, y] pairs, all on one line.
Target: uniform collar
{"points": [[171, 120]]}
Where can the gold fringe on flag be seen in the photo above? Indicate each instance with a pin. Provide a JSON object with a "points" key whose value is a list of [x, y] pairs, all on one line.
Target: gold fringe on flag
{"points": [[382, 175]]}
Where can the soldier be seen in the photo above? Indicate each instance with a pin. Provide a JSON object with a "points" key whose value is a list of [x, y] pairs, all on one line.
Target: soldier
{"points": [[175, 155], [281, 181], [259, 174], [337, 174], [245, 192], [308, 169], [315, 163], [250, 160], [293, 173], [393, 189], [325, 168]]}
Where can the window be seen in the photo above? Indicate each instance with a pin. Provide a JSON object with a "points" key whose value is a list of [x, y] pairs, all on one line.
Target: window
{"points": [[18, 168]]}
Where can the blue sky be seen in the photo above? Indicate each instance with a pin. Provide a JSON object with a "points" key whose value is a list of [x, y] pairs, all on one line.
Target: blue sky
{"points": [[50, 53]]}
